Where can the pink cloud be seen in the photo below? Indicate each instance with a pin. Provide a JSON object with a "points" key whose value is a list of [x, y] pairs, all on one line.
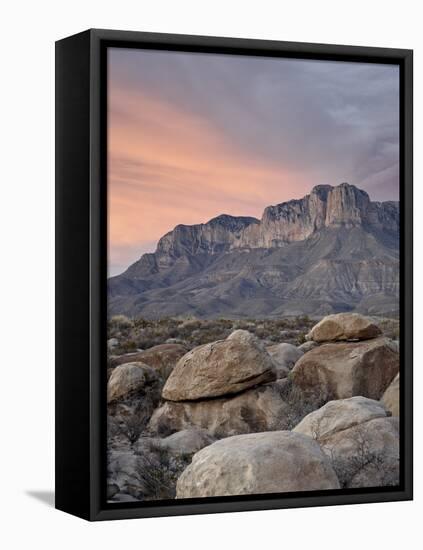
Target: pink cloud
{"points": [[167, 167]]}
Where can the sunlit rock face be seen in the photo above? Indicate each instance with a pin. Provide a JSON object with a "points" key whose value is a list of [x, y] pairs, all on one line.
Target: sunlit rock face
{"points": [[326, 206]]}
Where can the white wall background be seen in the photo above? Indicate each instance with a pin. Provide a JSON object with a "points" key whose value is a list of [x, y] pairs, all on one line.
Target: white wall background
{"points": [[29, 29]]}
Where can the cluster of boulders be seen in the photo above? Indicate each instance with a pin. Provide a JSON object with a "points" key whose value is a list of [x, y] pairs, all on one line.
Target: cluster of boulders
{"points": [[218, 419], [354, 359], [162, 358], [227, 387]]}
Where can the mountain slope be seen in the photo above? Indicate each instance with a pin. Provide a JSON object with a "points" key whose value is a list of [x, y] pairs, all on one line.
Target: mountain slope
{"points": [[333, 250]]}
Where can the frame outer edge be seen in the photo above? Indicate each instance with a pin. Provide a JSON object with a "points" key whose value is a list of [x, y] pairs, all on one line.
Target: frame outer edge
{"points": [[407, 228], [96, 311], [72, 263]]}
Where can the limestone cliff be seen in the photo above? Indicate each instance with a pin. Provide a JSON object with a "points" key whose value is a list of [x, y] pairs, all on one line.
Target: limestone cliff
{"points": [[332, 250]]}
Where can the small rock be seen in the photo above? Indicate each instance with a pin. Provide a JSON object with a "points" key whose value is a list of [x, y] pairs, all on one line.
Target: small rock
{"points": [[123, 470], [112, 490], [308, 346], [186, 442], [174, 341], [129, 378], [123, 497], [162, 358], [112, 343], [284, 356]]}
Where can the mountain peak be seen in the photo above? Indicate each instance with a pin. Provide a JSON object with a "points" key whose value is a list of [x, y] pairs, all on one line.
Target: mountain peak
{"points": [[334, 248], [347, 206], [326, 206], [321, 190], [232, 221]]}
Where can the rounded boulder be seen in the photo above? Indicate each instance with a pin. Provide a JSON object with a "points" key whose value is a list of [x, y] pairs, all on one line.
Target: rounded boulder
{"points": [[128, 379], [220, 368], [344, 326], [261, 463], [162, 358], [342, 370]]}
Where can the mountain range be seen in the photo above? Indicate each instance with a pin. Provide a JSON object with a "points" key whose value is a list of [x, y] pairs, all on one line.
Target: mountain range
{"points": [[330, 251]]}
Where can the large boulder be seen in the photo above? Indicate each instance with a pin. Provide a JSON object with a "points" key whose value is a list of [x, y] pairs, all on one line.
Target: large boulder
{"points": [[221, 368], [339, 415], [284, 357], [342, 370], [367, 454], [390, 398], [344, 326], [129, 379], [162, 358], [272, 462], [255, 410], [360, 439]]}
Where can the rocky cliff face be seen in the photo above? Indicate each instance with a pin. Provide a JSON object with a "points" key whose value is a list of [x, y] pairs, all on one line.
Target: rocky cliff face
{"points": [[333, 249], [326, 206], [216, 236]]}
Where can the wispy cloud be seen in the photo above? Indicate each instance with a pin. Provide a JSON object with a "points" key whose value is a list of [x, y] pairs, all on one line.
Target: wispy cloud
{"points": [[195, 135]]}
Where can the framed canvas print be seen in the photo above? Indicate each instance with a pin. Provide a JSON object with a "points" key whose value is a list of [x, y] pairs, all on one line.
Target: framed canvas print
{"points": [[234, 274]]}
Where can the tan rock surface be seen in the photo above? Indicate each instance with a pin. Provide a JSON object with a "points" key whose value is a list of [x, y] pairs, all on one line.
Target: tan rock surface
{"points": [[255, 410], [272, 462], [344, 326], [162, 358], [366, 455], [391, 397], [284, 356], [220, 368], [128, 379], [340, 415], [342, 370]]}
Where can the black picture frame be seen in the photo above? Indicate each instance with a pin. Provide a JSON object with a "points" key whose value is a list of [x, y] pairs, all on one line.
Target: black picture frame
{"points": [[81, 267]]}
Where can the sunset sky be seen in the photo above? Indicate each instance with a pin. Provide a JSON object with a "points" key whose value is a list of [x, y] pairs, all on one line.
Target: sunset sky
{"points": [[192, 136]]}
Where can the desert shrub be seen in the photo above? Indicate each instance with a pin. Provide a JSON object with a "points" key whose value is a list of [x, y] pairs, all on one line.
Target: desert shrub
{"points": [[299, 404], [140, 323], [146, 333], [389, 327], [120, 322], [305, 320], [156, 478], [158, 470], [113, 427], [133, 425], [127, 346], [301, 338], [361, 458]]}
